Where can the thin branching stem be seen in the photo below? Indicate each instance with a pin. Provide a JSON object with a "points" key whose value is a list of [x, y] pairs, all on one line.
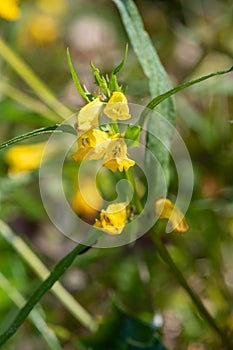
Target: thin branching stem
{"points": [[166, 257]]}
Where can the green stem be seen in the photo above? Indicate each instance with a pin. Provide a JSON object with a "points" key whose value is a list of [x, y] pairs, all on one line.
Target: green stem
{"points": [[28, 102], [53, 277], [164, 254], [136, 199], [35, 316], [115, 126], [32, 80]]}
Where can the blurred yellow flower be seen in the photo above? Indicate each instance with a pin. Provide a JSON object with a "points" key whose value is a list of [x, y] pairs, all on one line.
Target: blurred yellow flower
{"points": [[165, 209], [55, 7], [24, 158], [91, 145], [88, 115], [9, 9], [113, 219], [116, 156], [43, 28], [117, 107], [87, 201]]}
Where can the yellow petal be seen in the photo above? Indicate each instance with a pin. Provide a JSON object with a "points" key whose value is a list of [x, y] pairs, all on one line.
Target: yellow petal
{"points": [[116, 149], [113, 219], [116, 156], [92, 145], [87, 200], [23, 158], [9, 10], [117, 107], [81, 154], [165, 209], [119, 164], [92, 138], [88, 115]]}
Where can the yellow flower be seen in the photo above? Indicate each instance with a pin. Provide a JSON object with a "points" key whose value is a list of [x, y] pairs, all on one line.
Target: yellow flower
{"points": [[24, 158], [116, 156], [43, 28], [91, 145], [88, 115], [9, 9], [113, 219], [87, 201], [55, 7], [165, 209], [117, 107]]}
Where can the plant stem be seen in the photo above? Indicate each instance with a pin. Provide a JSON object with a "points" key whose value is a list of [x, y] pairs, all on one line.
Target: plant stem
{"points": [[53, 277], [32, 80], [136, 199], [166, 257]]}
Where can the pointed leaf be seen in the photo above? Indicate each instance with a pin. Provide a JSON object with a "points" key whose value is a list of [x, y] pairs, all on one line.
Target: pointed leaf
{"points": [[121, 65], [55, 128], [157, 77], [157, 100], [75, 78], [100, 80]]}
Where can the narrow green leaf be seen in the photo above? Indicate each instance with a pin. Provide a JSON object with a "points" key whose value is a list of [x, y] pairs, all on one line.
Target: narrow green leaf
{"points": [[121, 65], [75, 78], [47, 284], [158, 83], [55, 128], [36, 315], [157, 100]]}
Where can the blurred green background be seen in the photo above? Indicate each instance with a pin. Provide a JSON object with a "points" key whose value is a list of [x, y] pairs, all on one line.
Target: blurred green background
{"points": [[193, 38]]}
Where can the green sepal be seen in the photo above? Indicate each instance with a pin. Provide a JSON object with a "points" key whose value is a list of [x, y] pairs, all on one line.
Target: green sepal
{"points": [[85, 95], [132, 135], [113, 83], [100, 80]]}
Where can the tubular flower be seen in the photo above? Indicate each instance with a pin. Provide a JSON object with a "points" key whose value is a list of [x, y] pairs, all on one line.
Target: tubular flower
{"points": [[113, 219], [165, 209], [88, 115], [91, 145], [116, 156], [117, 107], [9, 10], [24, 158]]}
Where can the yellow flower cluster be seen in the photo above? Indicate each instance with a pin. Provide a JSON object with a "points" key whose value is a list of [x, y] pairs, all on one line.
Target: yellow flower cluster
{"points": [[93, 143], [9, 9], [114, 218]]}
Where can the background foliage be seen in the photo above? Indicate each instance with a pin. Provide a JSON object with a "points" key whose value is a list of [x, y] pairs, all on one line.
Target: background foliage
{"points": [[192, 39]]}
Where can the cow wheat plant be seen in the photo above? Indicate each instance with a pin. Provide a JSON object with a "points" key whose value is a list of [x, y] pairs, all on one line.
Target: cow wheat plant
{"points": [[105, 174]]}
